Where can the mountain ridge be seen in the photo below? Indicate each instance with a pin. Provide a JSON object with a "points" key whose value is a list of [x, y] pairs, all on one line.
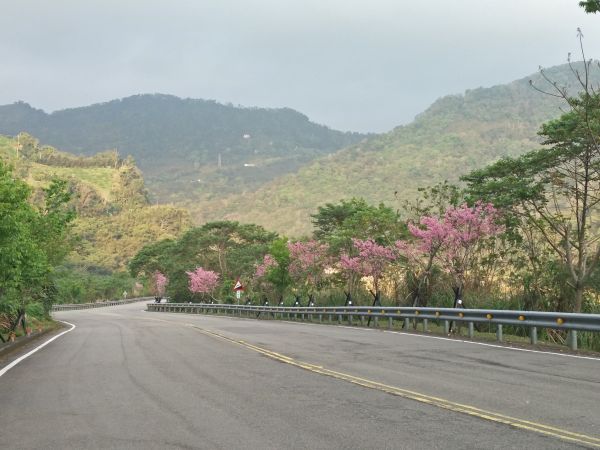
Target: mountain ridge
{"points": [[456, 134]]}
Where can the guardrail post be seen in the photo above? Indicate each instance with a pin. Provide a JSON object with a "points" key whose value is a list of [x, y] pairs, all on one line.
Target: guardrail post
{"points": [[533, 335], [362, 320], [407, 323], [572, 339], [376, 322], [390, 323], [471, 330], [499, 332], [350, 319], [339, 319], [446, 327], [320, 318], [425, 325]]}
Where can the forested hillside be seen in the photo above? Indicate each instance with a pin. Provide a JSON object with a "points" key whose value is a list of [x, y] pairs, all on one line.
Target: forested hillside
{"points": [[113, 217], [457, 134], [277, 167], [185, 145]]}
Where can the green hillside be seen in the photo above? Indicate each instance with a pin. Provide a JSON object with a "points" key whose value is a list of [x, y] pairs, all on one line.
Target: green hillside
{"points": [[276, 166], [185, 145], [114, 219], [456, 134]]}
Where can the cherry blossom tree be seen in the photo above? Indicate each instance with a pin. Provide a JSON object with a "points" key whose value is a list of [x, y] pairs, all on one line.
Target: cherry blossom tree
{"points": [[372, 261], [160, 282], [453, 242], [308, 261], [420, 253], [260, 279], [203, 281], [468, 227], [262, 268]]}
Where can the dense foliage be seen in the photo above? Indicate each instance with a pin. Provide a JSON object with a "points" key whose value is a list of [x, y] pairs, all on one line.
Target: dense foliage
{"points": [[457, 134], [114, 217], [203, 148], [33, 240]]}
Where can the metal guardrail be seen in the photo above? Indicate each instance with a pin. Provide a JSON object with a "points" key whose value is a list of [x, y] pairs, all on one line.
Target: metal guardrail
{"points": [[75, 306], [531, 319]]}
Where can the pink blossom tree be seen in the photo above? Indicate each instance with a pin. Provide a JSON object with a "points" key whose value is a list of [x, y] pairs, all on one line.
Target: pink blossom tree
{"points": [[260, 280], [468, 228], [452, 242], [203, 281], [420, 253], [349, 269], [160, 282], [308, 261], [263, 267], [372, 261]]}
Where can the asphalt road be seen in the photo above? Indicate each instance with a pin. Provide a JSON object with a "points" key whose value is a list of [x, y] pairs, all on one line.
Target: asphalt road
{"points": [[126, 378]]}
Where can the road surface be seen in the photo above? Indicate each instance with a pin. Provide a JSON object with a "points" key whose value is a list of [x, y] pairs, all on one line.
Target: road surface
{"points": [[126, 378]]}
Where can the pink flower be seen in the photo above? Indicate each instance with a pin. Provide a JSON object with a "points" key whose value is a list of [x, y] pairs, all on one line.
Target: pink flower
{"points": [[160, 281], [202, 281], [261, 269], [308, 261]]}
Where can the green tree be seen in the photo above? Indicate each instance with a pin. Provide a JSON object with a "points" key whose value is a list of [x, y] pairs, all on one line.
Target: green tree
{"points": [[278, 275], [337, 224], [228, 248], [32, 241], [590, 6], [557, 189]]}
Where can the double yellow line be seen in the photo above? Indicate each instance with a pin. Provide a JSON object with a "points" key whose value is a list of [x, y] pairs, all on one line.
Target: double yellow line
{"points": [[434, 401]]}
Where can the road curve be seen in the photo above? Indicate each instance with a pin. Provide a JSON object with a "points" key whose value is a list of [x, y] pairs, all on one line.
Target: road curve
{"points": [[126, 378]]}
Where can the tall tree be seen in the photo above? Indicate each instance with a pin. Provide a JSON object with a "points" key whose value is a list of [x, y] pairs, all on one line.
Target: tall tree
{"points": [[419, 254], [337, 224], [308, 262], [371, 261], [557, 188], [32, 241]]}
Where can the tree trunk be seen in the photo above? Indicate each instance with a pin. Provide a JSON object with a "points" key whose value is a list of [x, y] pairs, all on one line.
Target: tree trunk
{"points": [[578, 298], [376, 302], [415, 296], [348, 298], [457, 293], [20, 318]]}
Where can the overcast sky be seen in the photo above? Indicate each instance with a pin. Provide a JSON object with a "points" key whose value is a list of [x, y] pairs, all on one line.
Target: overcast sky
{"points": [[350, 64]]}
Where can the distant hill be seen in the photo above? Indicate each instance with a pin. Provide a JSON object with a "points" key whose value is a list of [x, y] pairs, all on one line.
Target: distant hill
{"points": [[454, 135], [277, 167], [114, 219], [185, 144]]}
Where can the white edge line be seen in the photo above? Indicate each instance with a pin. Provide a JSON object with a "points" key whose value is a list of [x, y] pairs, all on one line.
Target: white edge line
{"points": [[504, 347], [39, 347]]}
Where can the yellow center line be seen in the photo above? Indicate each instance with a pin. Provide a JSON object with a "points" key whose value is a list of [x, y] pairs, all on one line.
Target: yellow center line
{"points": [[423, 398]]}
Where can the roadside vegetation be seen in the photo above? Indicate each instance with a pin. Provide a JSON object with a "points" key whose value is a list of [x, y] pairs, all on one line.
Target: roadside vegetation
{"points": [[520, 233], [68, 227]]}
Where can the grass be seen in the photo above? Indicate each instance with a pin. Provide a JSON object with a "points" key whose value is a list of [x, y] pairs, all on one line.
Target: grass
{"points": [[8, 147], [99, 178]]}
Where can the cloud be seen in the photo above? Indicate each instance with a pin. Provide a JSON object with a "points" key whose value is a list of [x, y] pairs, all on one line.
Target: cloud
{"points": [[350, 64]]}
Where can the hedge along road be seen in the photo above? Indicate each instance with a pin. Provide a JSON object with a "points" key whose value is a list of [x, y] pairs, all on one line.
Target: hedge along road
{"points": [[125, 378]]}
